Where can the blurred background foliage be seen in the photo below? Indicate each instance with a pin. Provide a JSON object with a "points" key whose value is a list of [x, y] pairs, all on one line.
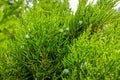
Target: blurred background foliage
{"points": [[9, 12]]}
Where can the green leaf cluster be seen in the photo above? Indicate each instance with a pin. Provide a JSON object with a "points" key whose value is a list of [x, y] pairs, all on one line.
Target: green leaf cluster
{"points": [[48, 42]]}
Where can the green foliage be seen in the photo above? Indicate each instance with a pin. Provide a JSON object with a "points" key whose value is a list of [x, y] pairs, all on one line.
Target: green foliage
{"points": [[98, 15], [1, 13], [8, 15], [95, 58], [47, 42]]}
